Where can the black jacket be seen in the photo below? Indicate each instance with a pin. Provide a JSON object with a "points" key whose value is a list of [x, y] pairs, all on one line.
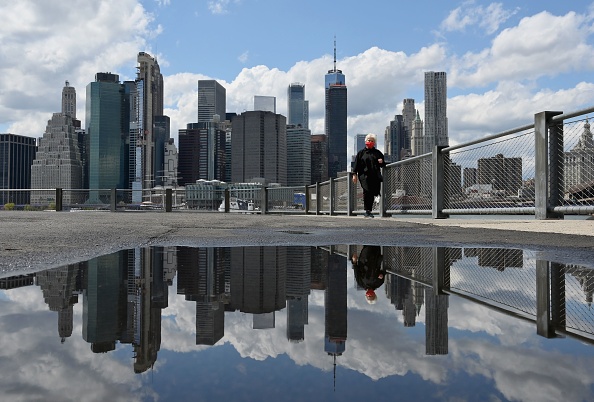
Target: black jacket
{"points": [[369, 170], [369, 267]]}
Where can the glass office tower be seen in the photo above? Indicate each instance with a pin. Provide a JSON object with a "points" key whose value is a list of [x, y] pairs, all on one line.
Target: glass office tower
{"points": [[297, 106], [212, 99], [105, 133]]}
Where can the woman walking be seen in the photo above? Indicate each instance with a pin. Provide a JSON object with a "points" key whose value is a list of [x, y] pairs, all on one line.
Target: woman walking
{"points": [[367, 168]]}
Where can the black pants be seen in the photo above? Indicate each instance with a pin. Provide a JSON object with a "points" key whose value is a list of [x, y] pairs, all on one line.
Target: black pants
{"points": [[368, 198]]}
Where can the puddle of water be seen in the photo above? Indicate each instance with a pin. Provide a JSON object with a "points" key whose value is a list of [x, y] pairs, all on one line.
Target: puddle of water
{"points": [[300, 323]]}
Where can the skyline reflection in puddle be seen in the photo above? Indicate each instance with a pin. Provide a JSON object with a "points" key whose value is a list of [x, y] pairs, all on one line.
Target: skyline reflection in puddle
{"points": [[297, 323]]}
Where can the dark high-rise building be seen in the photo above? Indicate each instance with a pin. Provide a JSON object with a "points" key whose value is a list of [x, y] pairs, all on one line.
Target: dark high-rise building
{"points": [[408, 116], [16, 157], [162, 134], [335, 303], [104, 302], [299, 159], [259, 147], [436, 323], [469, 176], [258, 280], [201, 153], [396, 144], [105, 133], [319, 158], [336, 120], [212, 100], [297, 106], [504, 174], [298, 289], [228, 127]]}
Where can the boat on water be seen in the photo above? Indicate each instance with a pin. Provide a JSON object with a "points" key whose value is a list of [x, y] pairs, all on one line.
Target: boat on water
{"points": [[238, 205]]}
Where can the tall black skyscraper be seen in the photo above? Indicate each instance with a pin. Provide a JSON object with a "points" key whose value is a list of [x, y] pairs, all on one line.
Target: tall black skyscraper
{"points": [[17, 153], [336, 120]]}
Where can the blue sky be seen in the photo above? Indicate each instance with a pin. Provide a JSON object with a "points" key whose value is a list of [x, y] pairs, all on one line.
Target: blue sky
{"points": [[505, 60]]}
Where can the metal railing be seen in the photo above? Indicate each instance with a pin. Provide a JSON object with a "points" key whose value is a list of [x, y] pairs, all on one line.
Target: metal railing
{"points": [[545, 169]]}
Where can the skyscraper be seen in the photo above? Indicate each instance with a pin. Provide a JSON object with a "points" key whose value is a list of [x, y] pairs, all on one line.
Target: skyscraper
{"points": [[161, 127], [297, 106], [408, 116], [359, 143], [212, 99], [395, 143], [105, 133], [170, 163], [16, 156], [299, 158], [297, 291], [319, 158], [69, 100], [503, 174], [259, 147], [201, 152], [336, 120], [58, 162], [416, 140], [436, 121], [151, 104]]}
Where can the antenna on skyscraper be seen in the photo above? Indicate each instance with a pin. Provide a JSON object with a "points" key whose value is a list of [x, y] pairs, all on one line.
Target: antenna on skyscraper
{"points": [[334, 53]]}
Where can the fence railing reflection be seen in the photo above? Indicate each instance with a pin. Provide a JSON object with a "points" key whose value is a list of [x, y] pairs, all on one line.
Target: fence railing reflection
{"points": [[556, 297]]}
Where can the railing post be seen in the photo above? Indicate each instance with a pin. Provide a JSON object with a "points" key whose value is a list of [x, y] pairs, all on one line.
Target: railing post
{"points": [[331, 196], [438, 183], [350, 197], [227, 200], [58, 199], [382, 200], [558, 307], [317, 198], [264, 200], [112, 200], [440, 271], [306, 202], [168, 200], [546, 145], [544, 322]]}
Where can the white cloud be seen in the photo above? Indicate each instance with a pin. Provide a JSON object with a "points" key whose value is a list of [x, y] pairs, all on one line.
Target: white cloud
{"points": [[488, 18], [243, 58], [541, 45], [218, 6]]}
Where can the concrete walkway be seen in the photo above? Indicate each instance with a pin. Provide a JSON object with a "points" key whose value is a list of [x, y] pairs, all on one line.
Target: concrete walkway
{"points": [[41, 240]]}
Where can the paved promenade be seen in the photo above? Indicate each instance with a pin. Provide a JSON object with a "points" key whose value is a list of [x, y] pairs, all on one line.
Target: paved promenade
{"points": [[30, 241]]}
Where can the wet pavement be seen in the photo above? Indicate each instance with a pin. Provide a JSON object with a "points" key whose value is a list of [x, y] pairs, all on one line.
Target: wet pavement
{"points": [[41, 240]]}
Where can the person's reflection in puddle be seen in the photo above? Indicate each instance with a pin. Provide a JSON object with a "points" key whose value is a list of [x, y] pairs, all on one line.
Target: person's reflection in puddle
{"points": [[369, 272]]}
